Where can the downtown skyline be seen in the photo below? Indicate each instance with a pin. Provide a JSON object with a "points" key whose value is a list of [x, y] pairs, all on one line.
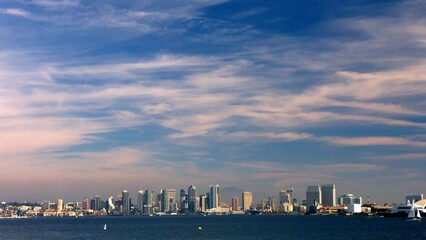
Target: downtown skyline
{"points": [[100, 96]]}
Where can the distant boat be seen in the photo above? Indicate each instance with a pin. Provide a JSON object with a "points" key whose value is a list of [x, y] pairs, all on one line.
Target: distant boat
{"points": [[414, 213], [105, 227]]}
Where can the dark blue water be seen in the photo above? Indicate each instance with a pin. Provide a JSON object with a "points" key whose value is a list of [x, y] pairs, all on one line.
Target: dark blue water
{"points": [[214, 227]]}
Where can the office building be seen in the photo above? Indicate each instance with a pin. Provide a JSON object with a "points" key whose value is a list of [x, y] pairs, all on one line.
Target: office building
{"points": [[192, 199], [328, 195], [125, 202], [46, 205], [286, 196], [247, 201], [214, 196], [97, 203], [313, 196], [235, 206], [59, 205], [110, 204], [203, 203], [165, 201], [140, 200], [348, 199], [148, 202]]}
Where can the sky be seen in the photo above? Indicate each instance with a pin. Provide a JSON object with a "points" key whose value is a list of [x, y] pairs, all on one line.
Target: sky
{"points": [[100, 96]]}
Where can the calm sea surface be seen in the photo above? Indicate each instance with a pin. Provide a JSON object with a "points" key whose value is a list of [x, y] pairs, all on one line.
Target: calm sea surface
{"points": [[214, 227]]}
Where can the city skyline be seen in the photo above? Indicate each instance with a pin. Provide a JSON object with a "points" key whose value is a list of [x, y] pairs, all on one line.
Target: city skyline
{"points": [[100, 96]]}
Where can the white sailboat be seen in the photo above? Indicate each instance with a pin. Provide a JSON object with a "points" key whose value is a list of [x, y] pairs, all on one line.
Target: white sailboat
{"points": [[105, 227], [414, 213]]}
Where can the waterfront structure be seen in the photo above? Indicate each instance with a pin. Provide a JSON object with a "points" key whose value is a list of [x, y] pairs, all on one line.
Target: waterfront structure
{"points": [[328, 195], [165, 201], [192, 199], [313, 196], [235, 206], [214, 196], [59, 205], [125, 202], [247, 201], [140, 198], [347, 199]]}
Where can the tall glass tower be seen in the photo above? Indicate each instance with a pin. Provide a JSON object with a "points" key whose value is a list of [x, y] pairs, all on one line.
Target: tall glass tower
{"points": [[328, 194], [192, 199], [214, 196], [125, 201]]}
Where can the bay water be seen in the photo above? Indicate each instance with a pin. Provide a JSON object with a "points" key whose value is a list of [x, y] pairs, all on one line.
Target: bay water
{"points": [[213, 227]]}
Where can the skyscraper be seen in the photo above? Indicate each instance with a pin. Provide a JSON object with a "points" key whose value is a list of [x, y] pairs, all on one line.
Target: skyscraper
{"points": [[203, 203], [214, 196], [59, 205], [165, 202], [182, 201], [141, 195], [313, 195], [247, 198], [235, 206], [86, 203], [286, 196], [110, 204], [97, 206], [147, 202], [192, 199], [328, 195], [125, 201]]}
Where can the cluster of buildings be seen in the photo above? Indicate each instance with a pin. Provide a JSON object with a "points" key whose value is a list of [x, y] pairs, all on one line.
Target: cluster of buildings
{"points": [[320, 199]]}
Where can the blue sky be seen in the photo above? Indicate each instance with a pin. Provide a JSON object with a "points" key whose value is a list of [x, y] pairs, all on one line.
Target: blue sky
{"points": [[100, 96]]}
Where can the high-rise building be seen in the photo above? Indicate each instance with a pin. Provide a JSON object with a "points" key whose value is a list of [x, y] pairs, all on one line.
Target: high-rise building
{"points": [[46, 205], [125, 202], [348, 199], [172, 195], [263, 204], [86, 203], [59, 205], [286, 196], [247, 200], [192, 199], [235, 206], [313, 196], [203, 203], [183, 201], [328, 195], [110, 204], [141, 195], [214, 196], [165, 202], [97, 203], [147, 202]]}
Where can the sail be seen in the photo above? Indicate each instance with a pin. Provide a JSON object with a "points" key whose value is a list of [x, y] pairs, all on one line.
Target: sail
{"points": [[418, 214], [412, 212]]}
